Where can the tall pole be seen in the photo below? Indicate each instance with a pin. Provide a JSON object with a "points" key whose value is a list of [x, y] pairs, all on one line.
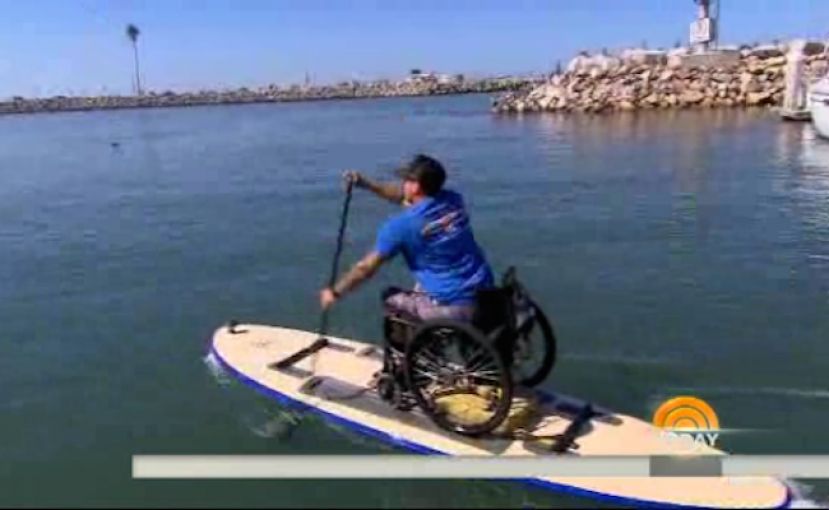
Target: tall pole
{"points": [[702, 14], [704, 7], [132, 33], [715, 23], [137, 73]]}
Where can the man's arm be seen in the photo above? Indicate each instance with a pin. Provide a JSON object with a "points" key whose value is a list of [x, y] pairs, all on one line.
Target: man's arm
{"points": [[390, 191], [360, 272]]}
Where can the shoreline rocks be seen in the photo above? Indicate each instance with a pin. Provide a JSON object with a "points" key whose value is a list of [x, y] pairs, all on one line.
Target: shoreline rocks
{"points": [[647, 80], [421, 86]]}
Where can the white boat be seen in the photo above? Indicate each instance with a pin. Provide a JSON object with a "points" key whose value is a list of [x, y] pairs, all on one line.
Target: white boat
{"points": [[819, 106]]}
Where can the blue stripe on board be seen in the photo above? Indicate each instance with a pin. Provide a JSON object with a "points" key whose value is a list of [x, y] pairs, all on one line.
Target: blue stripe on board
{"points": [[422, 449]]}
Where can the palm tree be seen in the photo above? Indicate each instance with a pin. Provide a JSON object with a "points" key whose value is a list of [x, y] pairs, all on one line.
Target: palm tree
{"points": [[133, 33]]}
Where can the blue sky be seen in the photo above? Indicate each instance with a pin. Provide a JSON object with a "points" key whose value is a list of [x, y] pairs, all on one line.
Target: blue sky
{"points": [[50, 47]]}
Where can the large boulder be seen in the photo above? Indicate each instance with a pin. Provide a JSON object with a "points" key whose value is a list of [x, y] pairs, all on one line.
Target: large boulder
{"points": [[596, 65], [626, 105], [606, 62], [544, 91], [547, 102], [667, 75], [775, 61], [674, 57], [578, 63], [651, 99], [691, 97], [759, 98]]}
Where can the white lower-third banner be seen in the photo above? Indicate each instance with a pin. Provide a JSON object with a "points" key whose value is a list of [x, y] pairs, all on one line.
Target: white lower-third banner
{"points": [[446, 467]]}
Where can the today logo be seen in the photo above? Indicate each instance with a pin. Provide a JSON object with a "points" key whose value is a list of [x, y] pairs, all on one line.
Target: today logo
{"points": [[689, 420]]}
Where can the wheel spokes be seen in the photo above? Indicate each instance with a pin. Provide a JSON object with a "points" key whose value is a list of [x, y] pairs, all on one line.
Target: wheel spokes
{"points": [[459, 379]]}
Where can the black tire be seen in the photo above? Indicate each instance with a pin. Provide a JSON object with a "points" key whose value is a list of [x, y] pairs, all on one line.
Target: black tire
{"points": [[434, 337], [547, 356]]}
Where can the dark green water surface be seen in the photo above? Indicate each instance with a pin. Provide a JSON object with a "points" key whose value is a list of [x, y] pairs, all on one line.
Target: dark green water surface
{"points": [[676, 253]]}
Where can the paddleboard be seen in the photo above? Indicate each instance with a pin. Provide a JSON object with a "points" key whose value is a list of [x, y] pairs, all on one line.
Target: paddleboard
{"points": [[334, 382]]}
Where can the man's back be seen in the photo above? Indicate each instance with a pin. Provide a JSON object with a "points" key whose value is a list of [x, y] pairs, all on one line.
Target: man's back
{"points": [[435, 238]]}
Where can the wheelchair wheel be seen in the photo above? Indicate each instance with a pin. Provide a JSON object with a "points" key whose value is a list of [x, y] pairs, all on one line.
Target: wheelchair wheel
{"points": [[534, 354], [458, 379]]}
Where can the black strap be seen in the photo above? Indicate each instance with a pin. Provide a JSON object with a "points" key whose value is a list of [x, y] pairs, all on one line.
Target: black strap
{"points": [[319, 344]]}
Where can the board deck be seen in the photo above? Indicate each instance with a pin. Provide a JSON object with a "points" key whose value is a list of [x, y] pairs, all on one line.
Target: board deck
{"points": [[333, 382]]}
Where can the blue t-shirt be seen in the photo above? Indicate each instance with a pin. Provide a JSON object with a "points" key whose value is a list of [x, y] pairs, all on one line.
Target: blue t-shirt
{"points": [[435, 238]]}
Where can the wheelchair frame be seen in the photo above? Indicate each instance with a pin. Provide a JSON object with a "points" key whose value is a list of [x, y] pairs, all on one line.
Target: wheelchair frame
{"points": [[495, 331]]}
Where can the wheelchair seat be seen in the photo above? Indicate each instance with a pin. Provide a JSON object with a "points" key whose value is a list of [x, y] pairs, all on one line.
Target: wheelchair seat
{"points": [[495, 316]]}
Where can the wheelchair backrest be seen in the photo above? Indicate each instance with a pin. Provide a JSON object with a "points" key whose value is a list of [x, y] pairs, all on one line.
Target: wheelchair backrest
{"points": [[497, 307], [493, 308]]}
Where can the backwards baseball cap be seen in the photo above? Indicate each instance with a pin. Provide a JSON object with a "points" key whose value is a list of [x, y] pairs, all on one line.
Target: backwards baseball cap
{"points": [[426, 171]]}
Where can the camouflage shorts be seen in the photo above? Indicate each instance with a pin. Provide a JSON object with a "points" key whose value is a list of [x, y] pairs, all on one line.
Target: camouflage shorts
{"points": [[421, 306]]}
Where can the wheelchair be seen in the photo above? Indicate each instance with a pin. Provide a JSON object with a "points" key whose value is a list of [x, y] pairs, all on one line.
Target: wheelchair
{"points": [[477, 364]]}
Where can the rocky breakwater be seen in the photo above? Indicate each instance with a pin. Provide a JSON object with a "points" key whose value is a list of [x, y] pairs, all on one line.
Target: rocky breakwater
{"points": [[648, 80], [420, 86]]}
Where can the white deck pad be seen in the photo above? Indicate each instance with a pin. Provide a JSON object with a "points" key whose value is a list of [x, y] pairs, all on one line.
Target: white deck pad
{"points": [[333, 382]]}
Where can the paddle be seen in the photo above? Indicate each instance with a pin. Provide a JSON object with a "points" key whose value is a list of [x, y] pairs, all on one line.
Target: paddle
{"points": [[322, 341], [335, 265]]}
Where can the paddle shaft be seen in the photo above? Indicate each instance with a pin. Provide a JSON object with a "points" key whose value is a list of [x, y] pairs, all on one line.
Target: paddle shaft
{"points": [[335, 264], [321, 342]]}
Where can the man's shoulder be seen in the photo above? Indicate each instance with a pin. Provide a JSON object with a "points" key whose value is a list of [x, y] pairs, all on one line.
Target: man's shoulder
{"points": [[393, 234], [450, 192], [398, 221], [451, 195]]}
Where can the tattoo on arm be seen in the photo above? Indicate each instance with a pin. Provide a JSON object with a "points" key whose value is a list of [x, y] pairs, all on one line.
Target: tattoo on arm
{"points": [[360, 272]]}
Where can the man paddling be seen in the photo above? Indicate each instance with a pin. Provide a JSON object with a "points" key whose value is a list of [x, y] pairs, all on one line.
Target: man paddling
{"points": [[434, 236]]}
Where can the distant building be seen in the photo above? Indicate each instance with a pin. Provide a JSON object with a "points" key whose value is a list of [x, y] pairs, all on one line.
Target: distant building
{"points": [[704, 30], [419, 76]]}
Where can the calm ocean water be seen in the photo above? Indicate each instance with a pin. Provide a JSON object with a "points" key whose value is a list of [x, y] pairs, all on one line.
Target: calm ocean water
{"points": [[675, 252]]}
